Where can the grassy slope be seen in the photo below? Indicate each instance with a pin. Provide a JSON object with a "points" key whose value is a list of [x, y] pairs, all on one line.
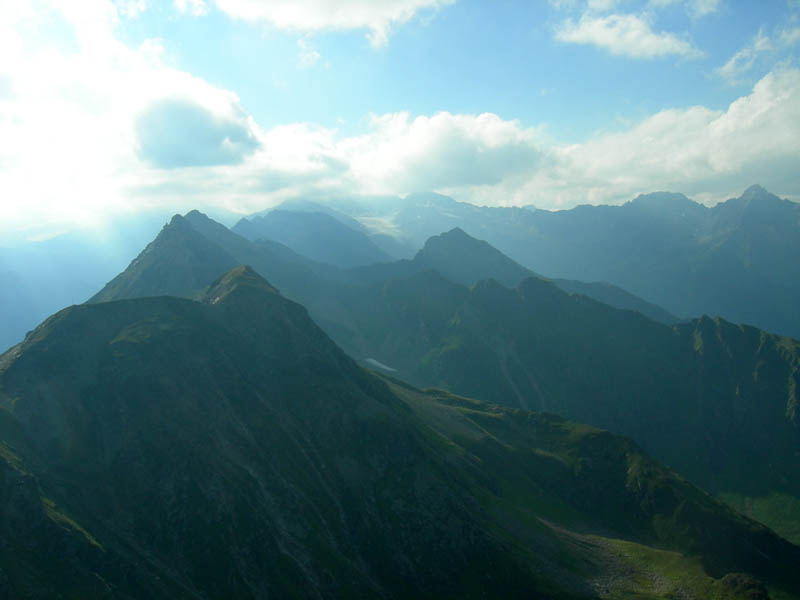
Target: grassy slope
{"points": [[524, 454]]}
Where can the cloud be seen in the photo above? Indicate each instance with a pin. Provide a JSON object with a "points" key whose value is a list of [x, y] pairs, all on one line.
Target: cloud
{"points": [[443, 151], [197, 8], [695, 8], [624, 35], [694, 150], [701, 8], [308, 16], [102, 127], [789, 37], [74, 111], [744, 59], [131, 9], [308, 56], [173, 133]]}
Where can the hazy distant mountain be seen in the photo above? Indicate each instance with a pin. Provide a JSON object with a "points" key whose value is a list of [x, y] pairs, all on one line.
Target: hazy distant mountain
{"points": [[463, 259], [39, 278], [737, 259], [193, 250], [168, 448], [211, 248], [315, 235]]}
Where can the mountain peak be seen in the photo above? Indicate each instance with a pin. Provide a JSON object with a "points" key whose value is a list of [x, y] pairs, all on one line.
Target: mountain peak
{"points": [[176, 221], [464, 259], [457, 232], [663, 200], [754, 190], [756, 193], [454, 239], [238, 278]]}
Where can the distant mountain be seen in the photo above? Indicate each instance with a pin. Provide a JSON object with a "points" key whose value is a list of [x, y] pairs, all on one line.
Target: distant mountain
{"points": [[465, 260], [737, 259], [226, 448], [39, 278], [193, 250], [316, 235], [211, 248], [460, 258]]}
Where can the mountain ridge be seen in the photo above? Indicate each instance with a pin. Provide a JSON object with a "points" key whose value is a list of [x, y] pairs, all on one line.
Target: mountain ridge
{"points": [[228, 448]]}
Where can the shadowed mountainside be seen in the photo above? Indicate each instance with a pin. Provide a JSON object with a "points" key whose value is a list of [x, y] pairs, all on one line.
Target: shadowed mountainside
{"points": [[713, 400]]}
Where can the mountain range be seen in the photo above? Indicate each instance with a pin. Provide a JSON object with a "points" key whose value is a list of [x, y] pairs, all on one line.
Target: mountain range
{"points": [[714, 400], [316, 235], [225, 447], [737, 260]]}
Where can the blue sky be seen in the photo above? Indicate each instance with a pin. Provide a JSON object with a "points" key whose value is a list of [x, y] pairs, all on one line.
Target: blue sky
{"points": [[113, 107]]}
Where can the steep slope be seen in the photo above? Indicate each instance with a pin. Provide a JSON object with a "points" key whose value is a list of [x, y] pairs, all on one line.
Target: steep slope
{"points": [[315, 235], [714, 400], [192, 251], [228, 449], [179, 262]]}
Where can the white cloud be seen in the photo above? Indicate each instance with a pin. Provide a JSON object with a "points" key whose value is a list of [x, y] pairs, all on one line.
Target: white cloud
{"points": [[601, 5], [68, 142], [694, 150], [131, 9], [308, 56], [695, 8], [444, 151], [701, 8], [711, 154], [377, 16], [623, 35], [197, 8], [789, 37], [744, 59], [70, 148]]}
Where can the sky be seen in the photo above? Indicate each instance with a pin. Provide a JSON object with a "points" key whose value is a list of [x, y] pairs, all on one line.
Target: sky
{"points": [[110, 108]]}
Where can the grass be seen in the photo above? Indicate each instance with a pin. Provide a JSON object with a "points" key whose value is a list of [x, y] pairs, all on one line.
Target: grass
{"points": [[59, 517], [652, 573], [779, 512]]}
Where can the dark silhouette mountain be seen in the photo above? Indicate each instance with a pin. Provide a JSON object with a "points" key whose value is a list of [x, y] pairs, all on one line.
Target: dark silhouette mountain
{"points": [[316, 235], [737, 259], [226, 448]]}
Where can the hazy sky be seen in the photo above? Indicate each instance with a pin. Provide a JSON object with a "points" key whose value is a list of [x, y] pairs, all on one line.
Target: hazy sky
{"points": [[118, 106]]}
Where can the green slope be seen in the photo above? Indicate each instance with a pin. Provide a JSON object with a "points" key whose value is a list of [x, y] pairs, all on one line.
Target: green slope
{"points": [[228, 449]]}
